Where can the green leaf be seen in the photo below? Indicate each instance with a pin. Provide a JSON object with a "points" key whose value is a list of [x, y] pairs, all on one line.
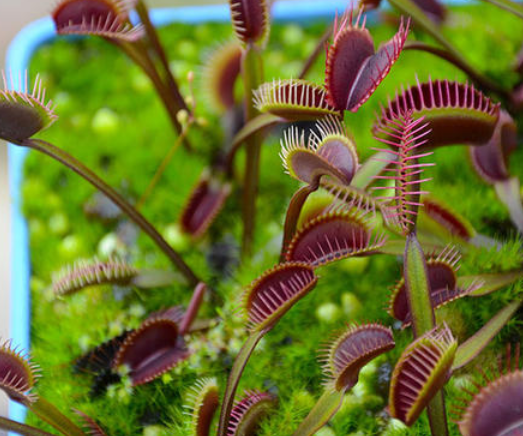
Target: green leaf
{"points": [[469, 349], [417, 287]]}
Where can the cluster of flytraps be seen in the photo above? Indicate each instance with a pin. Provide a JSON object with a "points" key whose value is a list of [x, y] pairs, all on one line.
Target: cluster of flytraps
{"points": [[318, 230]]}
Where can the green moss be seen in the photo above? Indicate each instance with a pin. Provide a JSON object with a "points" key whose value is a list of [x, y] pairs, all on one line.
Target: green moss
{"points": [[112, 121]]}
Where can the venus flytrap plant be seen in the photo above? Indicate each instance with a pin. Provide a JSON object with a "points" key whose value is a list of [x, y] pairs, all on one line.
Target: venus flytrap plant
{"points": [[420, 373], [105, 18], [354, 69], [343, 358], [345, 88]]}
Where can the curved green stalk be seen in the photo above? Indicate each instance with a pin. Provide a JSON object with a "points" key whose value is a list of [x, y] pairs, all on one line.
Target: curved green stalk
{"points": [[79, 168], [137, 52], [293, 214], [50, 414], [25, 430], [423, 319], [326, 407], [234, 378], [252, 72]]}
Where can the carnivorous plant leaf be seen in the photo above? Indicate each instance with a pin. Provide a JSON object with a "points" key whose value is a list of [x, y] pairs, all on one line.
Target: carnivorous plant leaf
{"points": [[495, 403], [354, 69], [221, 71], [456, 113], [351, 350], [250, 20], [294, 100], [106, 18], [248, 412], [272, 294], [23, 113], [153, 349], [205, 202], [420, 373], [203, 401], [442, 279], [90, 425], [331, 153], [17, 373], [333, 236], [469, 349]]}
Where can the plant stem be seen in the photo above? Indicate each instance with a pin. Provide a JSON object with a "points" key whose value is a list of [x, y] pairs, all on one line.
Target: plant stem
{"points": [[50, 414], [234, 378], [293, 214], [26, 430], [79, 168], [143, 13], [138, 54], [321, 413], [252, 72], [480, 79], [163, 165], [423, 319], [320, 47]]}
